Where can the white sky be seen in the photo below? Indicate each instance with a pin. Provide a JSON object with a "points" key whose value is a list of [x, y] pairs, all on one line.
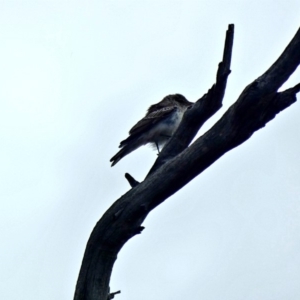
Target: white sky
{"points": [[75, 77]]}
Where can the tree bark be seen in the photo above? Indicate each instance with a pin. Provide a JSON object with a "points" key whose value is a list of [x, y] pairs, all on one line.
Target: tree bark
{"points": [[179, 163]]}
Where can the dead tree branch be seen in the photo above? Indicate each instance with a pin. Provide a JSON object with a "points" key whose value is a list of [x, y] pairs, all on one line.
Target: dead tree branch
{"points": [[201, 111], [258, 104]]}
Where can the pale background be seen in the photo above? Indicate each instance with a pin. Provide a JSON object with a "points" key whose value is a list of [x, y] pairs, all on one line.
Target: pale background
{"points": [[75, 76]]}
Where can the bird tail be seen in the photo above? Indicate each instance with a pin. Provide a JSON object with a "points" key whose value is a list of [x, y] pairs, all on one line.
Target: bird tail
{"points": [[123, 152], [127, 147]]}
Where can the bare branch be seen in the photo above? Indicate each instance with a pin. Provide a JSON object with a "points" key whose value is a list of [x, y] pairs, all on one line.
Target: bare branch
{"points": [[131, 180], [258, 104], [282, 69], [112, 295], [201, 111]]}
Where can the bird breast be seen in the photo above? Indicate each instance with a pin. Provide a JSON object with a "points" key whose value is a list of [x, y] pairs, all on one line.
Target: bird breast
{"points": [[162, 132]]}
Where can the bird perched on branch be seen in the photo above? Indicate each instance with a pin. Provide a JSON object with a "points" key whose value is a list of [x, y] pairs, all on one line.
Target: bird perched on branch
{"points": [[159, 124]]}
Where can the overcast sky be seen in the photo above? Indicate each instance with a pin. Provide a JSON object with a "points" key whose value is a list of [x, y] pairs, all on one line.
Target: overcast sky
{"points": [[75, 76]]}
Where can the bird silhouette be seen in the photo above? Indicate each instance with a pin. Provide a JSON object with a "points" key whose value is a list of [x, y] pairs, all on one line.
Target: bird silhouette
{"points": [[158, 125]]}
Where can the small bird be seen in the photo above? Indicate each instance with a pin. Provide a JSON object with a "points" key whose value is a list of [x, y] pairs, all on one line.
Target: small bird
{"points": [[159, 124]]}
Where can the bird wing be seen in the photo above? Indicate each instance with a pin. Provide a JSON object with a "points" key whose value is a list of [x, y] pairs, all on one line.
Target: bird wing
{"points": [[151, 118]]}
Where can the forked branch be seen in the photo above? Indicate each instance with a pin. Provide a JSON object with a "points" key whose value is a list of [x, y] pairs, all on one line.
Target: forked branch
{"points": [[258, 104], [201, 111]]}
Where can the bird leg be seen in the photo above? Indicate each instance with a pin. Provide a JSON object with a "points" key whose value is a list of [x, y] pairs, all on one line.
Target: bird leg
{"points": [[156, 144]]}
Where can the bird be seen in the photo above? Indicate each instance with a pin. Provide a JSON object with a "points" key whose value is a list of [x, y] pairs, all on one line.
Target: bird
{"points": [[159, 124]]}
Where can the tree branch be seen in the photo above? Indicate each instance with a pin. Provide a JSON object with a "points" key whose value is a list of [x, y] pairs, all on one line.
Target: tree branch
{"points": [[201, 111], [283, 67], [258, 104], [112, 295], [131, 180]]}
